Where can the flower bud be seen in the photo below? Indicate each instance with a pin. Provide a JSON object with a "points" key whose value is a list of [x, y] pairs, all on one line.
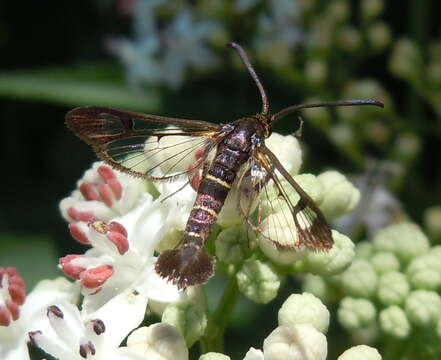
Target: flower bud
{"points": [[340, 195], [371, 9], [432, 221], [288, 151], [329, 262], [159, 341], [394, 322], [319, 116], [214, 356], [405, 240], [102, 193], [254, 354], [423, 308], [189, 318], [360, 279], [407, 146], [316, 71], [379, 35], [384, 262], [232, 244], [301, 342], [424, 272], [364, 250], [304, 309], [393, 288], [348, 38], [258, 281], [360, 352], [338, 11], [406, 59], [341, 134], [356, 313]]}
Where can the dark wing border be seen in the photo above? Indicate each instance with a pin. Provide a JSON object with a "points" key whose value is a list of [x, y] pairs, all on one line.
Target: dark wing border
{"points": [[101, 126], [317, 235]]}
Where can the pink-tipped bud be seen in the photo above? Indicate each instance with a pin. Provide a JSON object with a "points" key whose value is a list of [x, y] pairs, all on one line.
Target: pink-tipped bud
{"points": [[117, 227], [77, 233], [12, 296], [106, 194], [96, 277], [89, 191], [116, 187], [5, 316], [109, 178], [77, 215], [120, 241], [70, 270], [13, 309], [106, 173]]}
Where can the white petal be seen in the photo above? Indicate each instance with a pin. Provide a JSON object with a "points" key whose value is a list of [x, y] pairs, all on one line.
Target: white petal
{"points": [[120, 316], [159, 289], [254, 354]]}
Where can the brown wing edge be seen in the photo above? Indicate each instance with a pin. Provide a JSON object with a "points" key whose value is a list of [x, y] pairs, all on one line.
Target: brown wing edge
{"points": [[318, 235], [88, 123]]}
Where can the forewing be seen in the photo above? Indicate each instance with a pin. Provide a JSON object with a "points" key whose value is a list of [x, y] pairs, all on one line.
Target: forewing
{"points": [[149, 146], [291, 218]]}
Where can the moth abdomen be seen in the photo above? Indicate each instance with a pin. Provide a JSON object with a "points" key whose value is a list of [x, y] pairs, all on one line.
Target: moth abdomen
{"points": [[186, 266]]}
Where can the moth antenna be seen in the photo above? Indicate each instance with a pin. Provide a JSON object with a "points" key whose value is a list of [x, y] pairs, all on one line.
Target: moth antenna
{"points": [[243, 56], [294, 108]]}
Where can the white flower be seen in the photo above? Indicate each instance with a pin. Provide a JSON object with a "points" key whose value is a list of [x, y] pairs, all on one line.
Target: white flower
{"points": [[158, 341], [121, 260], [13, 338], [304, 309], [114, 214], [102, 193], [67, 336], [297, 342], [360, 352], [288, 151], [254, 354]]}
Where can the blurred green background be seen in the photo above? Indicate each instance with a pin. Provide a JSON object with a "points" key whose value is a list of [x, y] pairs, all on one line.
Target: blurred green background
{"points": [[170, 58]]}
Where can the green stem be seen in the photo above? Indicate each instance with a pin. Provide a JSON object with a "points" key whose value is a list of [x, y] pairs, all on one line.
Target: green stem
{"points": [[217, 323]]}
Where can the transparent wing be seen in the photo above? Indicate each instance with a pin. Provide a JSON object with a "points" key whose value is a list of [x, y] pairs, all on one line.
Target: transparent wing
{"points": [[286, 214], [154, 147]]}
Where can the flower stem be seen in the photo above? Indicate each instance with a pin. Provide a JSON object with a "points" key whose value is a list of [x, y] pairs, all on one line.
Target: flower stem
{"points": [[217, 323]]}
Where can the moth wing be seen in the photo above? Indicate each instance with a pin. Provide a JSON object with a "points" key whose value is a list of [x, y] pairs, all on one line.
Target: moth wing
{"points": [[149, 146], [286, 214]]}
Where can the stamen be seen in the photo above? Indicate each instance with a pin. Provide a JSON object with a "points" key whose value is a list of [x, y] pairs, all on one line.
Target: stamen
{"points": [[77, 233], [56, 311], [120, 241], [70, 270], [96, 277], [98, 326]]}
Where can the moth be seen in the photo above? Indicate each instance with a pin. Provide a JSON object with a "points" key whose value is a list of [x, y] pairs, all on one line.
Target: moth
{"points": [[217, 158]]}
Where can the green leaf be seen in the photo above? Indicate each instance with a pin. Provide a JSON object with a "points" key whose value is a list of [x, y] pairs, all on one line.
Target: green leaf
{"points": [[93, 84]]}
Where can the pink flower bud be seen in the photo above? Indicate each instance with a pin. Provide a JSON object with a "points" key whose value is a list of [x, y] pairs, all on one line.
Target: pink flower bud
{"points": [[96, 277]]}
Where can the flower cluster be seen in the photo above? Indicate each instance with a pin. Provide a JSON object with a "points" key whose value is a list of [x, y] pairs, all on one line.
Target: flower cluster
{"points": [[124, 221], [303, 321], [391, 288]]}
